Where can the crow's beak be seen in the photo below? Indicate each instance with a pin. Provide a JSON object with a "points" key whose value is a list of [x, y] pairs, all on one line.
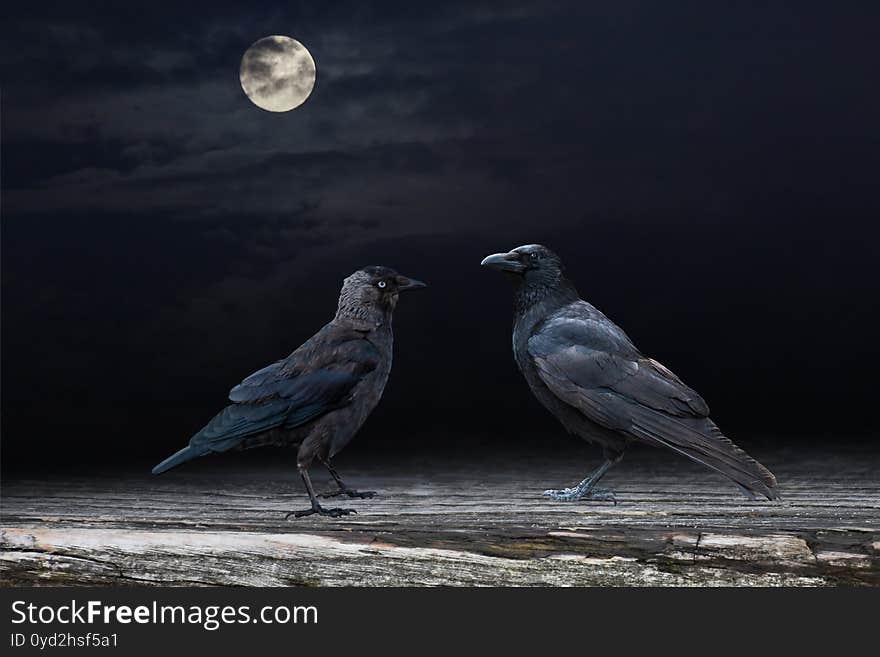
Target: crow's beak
{"points": [[505, 262], [404, 283]]}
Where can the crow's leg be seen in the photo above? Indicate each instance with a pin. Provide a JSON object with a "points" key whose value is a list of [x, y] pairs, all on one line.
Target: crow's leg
{"points": [[343, 489], [586, 490], [316, 508]]}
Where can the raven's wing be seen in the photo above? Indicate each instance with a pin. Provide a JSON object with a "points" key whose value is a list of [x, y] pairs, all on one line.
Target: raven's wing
{"points": [[604, 385], [283, 396], [583, 363]]}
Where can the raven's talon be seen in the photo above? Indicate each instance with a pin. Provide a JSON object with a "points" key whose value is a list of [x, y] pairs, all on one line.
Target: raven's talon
{"points": [[561, 494], [602, 495], [574, 495]]}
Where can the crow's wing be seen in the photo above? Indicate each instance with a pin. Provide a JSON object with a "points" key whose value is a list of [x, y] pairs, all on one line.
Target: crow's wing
{"points": [[583, 363], [331, 349], [260, 384], [294, 402], [283, 396]]}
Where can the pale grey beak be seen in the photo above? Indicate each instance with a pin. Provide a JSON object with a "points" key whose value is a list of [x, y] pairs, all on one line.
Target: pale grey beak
{"points": [[511, 261]]}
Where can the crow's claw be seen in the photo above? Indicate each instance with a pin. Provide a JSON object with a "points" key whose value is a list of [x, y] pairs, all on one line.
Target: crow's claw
{"points": [[321, 511], [351, 492]]}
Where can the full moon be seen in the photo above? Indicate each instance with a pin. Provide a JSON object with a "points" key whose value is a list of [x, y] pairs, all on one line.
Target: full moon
{"points": [[277, 73]]}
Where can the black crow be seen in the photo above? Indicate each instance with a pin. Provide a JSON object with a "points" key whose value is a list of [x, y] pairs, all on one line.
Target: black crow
{"points": [[589, 374], [320, 395]]}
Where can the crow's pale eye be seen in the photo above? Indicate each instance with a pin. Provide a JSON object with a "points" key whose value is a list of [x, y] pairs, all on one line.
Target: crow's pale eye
{"points": [[381, 284]]}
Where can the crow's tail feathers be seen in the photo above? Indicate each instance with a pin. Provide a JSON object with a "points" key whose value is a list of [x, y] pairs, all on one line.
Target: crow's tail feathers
{"points": [[702, 441], [230, 427], [186, 454]]}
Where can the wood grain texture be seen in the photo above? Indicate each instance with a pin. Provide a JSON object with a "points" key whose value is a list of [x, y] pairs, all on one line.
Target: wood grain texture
{"points": [[451, 523]]}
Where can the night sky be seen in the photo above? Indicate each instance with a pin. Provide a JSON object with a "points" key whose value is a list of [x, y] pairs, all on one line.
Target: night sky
{"points": [[709, 173]]}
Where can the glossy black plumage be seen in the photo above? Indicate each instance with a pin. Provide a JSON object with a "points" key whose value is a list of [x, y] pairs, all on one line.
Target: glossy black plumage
{"points": [[590, 375]]}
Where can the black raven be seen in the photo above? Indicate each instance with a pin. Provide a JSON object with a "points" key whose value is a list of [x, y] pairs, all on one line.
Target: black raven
{"points": [[589, 374], [320, 395]]}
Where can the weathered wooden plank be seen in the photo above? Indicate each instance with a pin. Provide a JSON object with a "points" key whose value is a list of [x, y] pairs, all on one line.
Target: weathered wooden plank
{"points": [[447, 523]]}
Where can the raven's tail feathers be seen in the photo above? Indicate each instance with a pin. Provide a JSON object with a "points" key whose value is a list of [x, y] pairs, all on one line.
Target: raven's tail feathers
{"points": [[186, 454], [703, 442]]}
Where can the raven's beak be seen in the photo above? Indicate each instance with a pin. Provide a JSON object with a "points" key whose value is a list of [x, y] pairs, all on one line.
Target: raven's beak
{"points": [[404, 283], [505, 262]]}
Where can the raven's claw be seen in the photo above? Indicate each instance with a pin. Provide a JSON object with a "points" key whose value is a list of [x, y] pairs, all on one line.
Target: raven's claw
{"points": [[574, 494]]}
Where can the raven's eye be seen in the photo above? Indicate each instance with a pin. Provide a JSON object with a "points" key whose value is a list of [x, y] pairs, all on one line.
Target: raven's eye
{"points": [[381, 283], [533, 255]]}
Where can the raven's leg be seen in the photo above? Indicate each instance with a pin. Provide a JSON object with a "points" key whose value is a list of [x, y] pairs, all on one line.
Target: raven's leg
{"points": [[586, 490], [343, 489], [316, 508]]}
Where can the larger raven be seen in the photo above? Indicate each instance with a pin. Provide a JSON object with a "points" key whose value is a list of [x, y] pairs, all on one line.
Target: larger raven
{"points": [[320, 395], [589, 374]]}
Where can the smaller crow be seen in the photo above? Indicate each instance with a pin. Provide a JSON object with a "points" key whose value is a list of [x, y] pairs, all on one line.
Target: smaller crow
{"points": [[320, 395], [589, 374]]}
